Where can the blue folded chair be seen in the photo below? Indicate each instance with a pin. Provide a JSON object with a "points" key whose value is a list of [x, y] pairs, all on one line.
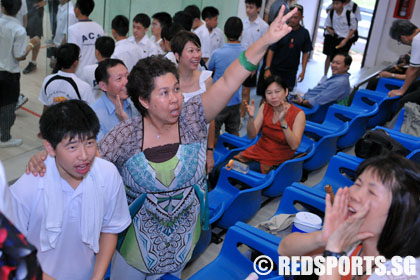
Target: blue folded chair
{"points": [[387, 84], [232, 264], [415, 156], [288, 172], [316, 113], [338, 114], [408, 141], [364, 100], [400, 120], [341, 171], [237, 196], [229, 145], [325, 144]]}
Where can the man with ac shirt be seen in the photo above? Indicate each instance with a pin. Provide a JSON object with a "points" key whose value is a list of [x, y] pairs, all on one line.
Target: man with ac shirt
{"points": [[84, 33]]}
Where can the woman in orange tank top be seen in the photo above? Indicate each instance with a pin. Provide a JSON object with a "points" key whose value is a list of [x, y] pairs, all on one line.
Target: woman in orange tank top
{"points": [[281, 125]]}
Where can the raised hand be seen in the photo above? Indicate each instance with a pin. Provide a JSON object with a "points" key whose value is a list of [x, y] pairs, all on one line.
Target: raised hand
{"points": [[251, 108], [119, 110], [335, 214], [348, 232], [279, 28]]}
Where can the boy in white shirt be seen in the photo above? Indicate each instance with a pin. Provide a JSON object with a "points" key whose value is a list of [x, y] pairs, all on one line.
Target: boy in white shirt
{"points": [[65, 85], [216, 36], [340, 26], [125, 49], [72, 214], [159, 20], [84, 33], [141, 23], [168, 32], [254, 28], [104, 48]]}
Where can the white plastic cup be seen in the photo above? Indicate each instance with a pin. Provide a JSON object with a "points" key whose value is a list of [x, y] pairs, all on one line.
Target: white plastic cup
{"points": [[306, 222]]}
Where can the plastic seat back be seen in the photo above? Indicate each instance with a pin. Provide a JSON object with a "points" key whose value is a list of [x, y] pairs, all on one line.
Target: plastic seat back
{"points": [[231, 264]]}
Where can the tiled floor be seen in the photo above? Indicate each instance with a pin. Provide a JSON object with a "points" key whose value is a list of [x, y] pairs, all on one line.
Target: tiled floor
{"points": [[26, 127]]}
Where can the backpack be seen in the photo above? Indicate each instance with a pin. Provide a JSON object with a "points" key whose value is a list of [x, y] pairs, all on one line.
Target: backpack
{"points": [[376, 142], [355, 36]]}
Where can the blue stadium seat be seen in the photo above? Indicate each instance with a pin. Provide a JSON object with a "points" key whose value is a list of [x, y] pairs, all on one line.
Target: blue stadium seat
{"points": [[325, 144], [231, 264], [338, 114]]}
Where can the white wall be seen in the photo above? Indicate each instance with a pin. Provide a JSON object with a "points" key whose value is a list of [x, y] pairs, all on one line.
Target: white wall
{"points": [[309, 14], [382, 49]]}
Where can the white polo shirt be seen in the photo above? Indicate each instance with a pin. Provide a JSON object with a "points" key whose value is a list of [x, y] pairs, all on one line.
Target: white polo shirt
{"points": [[88, 75], [217, 39], [203, 34], [129, 52], [61, 90], [13, 43], [340, 24], [157, 44], [415, 51], [71, 258], [149, 48], [252, 31], [21, 13], [84, 34], [65, 18]]}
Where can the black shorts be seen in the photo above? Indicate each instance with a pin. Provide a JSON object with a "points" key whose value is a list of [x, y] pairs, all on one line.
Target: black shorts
{"points": [[330, 42], [231, 117], [9, 87], [251, 81]]}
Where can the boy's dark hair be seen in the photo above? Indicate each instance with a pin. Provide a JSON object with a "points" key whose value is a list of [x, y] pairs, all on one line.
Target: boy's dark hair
{"points": [[168, 32], [105, 46], [141, 80], [67, 55], [85, 6], [401, 27], [120, 24], [101, 72], [184, 19], [164, 18], [143, 19], [11, 7], [257, 3], [71, 118], [399, 236], [342, 1], [209, 12], [233, 28], [179, 41], [193, 10]]}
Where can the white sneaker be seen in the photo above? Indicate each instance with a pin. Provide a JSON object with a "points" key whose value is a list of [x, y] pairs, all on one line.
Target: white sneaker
{"points": [[13, 142], [22, 100]]}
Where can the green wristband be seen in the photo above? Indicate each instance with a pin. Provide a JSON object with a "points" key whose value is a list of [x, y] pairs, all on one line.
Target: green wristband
{"points": [[246, 64]]}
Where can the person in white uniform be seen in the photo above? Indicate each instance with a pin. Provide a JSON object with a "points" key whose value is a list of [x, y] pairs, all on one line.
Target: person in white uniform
{"points": [[84, 33], [168, 32], [159, 20], [65, 85], [73, 214], [14, 47], [141, 23], [125, 49], [104, 48], [211, 32]]}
